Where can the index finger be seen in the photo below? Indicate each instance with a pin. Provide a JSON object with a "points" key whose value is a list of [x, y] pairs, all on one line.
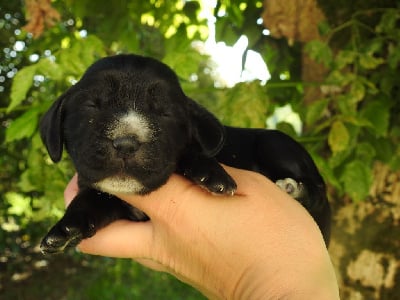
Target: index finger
{"points": [[71, 190], [247, 183]]}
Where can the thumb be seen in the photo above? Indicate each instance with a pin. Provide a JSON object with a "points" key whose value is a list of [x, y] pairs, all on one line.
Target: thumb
{"points": [[124, 239], [71, 190], [121, 238]]}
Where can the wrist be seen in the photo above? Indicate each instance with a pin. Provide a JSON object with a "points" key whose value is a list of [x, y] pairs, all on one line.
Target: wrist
{"points": [[315, 279]]}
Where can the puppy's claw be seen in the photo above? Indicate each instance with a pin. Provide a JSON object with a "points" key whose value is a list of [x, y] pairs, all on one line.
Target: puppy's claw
{"points": [[60, 238], [63, 236], [228, 187]]}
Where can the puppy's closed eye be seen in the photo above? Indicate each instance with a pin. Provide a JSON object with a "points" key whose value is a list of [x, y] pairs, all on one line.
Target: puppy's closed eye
{"points": [[93, 104]]}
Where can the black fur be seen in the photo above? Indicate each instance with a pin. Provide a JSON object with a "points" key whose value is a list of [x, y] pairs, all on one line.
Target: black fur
{"points": [[127, 126]]}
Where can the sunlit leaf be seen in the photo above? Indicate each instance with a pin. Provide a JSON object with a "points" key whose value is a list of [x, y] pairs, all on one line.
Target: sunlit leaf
{"points": [[244, 105], [19, 205], [21, 84], [49, 69], [338, 137], [181, 57], [368, 61], [357, 91], [344, 58], [24, 126]]}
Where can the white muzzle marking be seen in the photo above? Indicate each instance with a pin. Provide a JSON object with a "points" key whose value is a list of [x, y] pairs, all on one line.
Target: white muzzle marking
{"points": [[119, 184], [131, 123]]}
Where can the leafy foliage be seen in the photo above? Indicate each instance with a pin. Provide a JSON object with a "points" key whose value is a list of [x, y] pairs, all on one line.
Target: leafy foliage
{"points": [[360, 101], [350, 127]]}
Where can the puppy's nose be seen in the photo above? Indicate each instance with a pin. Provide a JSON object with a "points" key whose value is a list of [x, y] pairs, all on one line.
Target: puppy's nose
{"points": [[126, 144]]}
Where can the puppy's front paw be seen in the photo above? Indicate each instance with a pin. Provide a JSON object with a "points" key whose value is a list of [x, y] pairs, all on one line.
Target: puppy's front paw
{"points": [[214, 179], [64, 235]]}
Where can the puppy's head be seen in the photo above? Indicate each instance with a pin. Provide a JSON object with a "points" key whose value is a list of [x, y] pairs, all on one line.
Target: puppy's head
{"points": [[126, 123]]}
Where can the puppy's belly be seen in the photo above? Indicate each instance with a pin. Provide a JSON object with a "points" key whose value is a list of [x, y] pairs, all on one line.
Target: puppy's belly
{"points": [[120, 184]]}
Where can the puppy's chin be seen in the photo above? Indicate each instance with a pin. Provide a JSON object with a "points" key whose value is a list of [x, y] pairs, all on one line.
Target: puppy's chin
{"points": [[120, 185]]}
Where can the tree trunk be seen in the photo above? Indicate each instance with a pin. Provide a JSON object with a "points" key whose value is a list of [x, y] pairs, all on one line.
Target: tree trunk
{"points": [[365, 246], [298, 22]]}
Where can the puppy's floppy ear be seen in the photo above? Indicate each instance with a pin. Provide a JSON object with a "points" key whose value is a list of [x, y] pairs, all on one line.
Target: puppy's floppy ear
{"points": [[207, 130], [51, 129]]}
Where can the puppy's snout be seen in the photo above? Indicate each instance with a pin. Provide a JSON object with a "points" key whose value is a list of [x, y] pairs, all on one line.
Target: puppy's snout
{"points": [[126, 145]]}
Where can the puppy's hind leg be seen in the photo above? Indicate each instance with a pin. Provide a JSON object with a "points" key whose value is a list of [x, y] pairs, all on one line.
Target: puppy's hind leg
{"points": [[293, 188]]}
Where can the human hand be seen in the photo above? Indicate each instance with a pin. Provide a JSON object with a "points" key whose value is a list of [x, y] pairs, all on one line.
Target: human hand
{"points": [[257, 244]]}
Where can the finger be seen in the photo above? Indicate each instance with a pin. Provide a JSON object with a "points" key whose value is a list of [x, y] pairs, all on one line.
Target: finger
{"points": [[151, 264], [247, 181], [177, 186], [71, 190], [121, 238]]}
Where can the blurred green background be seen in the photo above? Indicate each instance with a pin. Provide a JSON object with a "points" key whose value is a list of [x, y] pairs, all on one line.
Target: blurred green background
{"points": [[331, 81]]}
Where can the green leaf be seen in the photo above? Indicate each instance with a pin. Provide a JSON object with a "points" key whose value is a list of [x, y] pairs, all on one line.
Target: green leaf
{"points": [[338, 78], [347, 104], [369, 62], [394, 56], [244, 105], [49, 69], [324, 28], [24, 126], [83, 52], [23, 80], [19, 205], [320, 52], [365, 152], [395, 161], [344, 58], [388, 21], [357, 91], [357, 179], [315, 111], [181, 56], [21, 84], [327, 171], [338, 158], [338, 138], [384, 149], [225, 31], [287, 128], [191, 9], [378, 114]]}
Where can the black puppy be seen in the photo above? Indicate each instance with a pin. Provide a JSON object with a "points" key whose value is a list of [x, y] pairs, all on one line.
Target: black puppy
{"points": [[127, 126]]}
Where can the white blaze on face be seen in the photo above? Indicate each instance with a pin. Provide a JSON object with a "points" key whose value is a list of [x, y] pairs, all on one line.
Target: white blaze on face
{"points": [[129, 124]]}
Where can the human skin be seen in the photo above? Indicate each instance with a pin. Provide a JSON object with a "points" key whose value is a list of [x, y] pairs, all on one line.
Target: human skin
{"points": [[258, 244]]}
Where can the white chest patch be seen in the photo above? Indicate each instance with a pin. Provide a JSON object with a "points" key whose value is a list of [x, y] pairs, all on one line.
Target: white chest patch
{"points": [[119, 184], [131, 123]]}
